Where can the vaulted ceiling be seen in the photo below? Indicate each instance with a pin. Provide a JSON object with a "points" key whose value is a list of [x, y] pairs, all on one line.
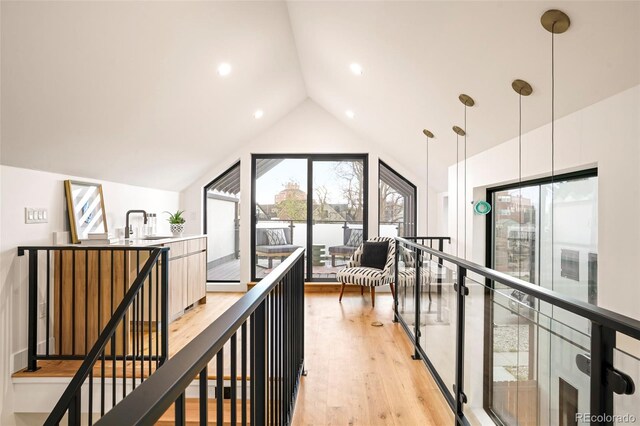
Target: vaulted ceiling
{"points": [[128, 91]]}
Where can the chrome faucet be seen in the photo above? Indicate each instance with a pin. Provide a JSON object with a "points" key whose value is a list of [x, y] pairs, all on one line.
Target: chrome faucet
{"points": [[127, 229]]}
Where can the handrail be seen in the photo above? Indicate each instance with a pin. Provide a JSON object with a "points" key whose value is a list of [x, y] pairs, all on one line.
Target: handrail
{"points": [[448, 239], [605, 317], [596, 361], [148, 402], [66, 400]]}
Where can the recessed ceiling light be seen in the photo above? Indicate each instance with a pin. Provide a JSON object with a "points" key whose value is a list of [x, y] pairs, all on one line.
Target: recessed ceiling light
{"points": [[258, 114], [224, 69], [350, 113], [356, 68]]}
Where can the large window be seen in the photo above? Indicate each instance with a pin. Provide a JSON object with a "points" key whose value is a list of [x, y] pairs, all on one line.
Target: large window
{"points": [[396, 204], [222, 226], [544, 232], [313, 201]]}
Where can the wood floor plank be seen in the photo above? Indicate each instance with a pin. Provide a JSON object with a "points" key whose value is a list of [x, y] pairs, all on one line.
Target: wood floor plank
{"points": [[358, 374]]}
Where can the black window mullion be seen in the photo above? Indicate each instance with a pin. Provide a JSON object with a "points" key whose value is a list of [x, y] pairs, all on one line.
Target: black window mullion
{"points": [[309, 258]]}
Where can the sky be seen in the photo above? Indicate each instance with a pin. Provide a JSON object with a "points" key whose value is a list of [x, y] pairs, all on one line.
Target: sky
{"points": [[273, 181]]}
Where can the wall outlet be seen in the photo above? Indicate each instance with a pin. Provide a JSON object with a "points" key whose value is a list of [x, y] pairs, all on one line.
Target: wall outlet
{"points": [[35, 215]]}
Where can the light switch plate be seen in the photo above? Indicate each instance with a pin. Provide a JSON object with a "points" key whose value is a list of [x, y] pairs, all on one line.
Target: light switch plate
{"points": [[35, 215]]}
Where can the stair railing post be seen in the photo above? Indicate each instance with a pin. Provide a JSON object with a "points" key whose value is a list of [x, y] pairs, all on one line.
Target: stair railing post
{"points": [[164, 288], [395, 282], [458, 389], [32, 347], [603, 342], [260, 353], [416, 329]]}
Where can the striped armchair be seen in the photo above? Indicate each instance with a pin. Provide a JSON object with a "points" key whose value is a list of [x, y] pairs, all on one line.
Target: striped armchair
{"points": [[354, 274]]}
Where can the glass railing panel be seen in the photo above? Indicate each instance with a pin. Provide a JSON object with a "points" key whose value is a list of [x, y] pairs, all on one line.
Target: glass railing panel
{"points": [[333, 245], [476, 305], [438, 315], [520, 364], [626, 408], [406, 285]]}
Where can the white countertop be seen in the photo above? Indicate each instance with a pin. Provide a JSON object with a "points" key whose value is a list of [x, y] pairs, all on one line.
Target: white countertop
{"points": [[141, 242]]}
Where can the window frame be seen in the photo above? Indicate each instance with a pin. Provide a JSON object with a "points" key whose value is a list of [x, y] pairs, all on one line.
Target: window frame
{"points": [[407, 181], [205, 189]]}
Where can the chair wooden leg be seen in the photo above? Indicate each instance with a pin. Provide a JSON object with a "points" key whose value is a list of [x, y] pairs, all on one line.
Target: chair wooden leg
{"points": [[361, 290], [373, 297], [393, 292], [341, 293]]}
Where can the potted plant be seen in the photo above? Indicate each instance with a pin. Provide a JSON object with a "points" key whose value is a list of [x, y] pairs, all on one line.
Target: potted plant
{"points": [[177, 222]]}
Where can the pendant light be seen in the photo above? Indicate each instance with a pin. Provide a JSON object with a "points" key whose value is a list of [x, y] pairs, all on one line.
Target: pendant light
{"points": [[429, 135], [467, 101], [522, 88], [556, 22], [459, 132]]}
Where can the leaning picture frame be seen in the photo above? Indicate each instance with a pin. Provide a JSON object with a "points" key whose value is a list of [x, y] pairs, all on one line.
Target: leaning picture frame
{"points": [[86, 210]]}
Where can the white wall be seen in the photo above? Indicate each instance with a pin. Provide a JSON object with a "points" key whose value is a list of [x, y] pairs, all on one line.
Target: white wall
{"points": [[307, 129], [606, 135], [20, 188]]}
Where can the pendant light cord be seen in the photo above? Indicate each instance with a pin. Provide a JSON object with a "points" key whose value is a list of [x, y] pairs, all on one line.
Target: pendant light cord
{"points": [[464, 201], [427, 194], [520, 184], [553, 150], [457, 198]]}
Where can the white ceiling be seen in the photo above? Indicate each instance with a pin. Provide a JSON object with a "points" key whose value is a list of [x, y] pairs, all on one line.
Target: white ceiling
{"points": [[418, 57], [134, 85], [129, 91]]}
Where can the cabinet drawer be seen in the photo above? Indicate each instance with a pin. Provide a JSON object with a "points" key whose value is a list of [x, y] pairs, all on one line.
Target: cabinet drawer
{"points": [[196, 245], [177, 249]]}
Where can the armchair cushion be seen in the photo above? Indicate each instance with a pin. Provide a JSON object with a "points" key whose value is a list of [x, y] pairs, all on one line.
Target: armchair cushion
{"points": [[374, 254]]}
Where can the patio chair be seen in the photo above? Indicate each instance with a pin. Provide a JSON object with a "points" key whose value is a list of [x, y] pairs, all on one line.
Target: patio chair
{"points": [[355, 274], [274, 243], [351, 240]]}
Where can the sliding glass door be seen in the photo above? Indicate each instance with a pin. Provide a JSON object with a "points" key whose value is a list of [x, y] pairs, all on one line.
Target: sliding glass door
{"points": [[338, 214], [280, 213], [317, 202]]}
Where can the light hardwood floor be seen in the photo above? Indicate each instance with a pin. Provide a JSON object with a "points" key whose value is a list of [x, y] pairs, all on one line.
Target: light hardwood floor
{"points": [[181, 331], [359, 374]]}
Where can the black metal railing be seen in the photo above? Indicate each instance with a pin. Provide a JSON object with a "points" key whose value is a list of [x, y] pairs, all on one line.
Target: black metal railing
{"points": [[74, 291], [106, 306], [262, 380], [456, 342]]}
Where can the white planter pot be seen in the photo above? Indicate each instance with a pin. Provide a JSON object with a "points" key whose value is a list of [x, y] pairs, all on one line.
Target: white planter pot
{"points": [[177, 229]]}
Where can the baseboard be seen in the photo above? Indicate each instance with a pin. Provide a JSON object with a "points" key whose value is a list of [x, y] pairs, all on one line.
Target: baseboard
{"points": [[20, 359], [226, 287]]}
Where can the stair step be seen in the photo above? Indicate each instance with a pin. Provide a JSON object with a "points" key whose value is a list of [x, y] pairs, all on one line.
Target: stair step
{"points": [[193, 412]]}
